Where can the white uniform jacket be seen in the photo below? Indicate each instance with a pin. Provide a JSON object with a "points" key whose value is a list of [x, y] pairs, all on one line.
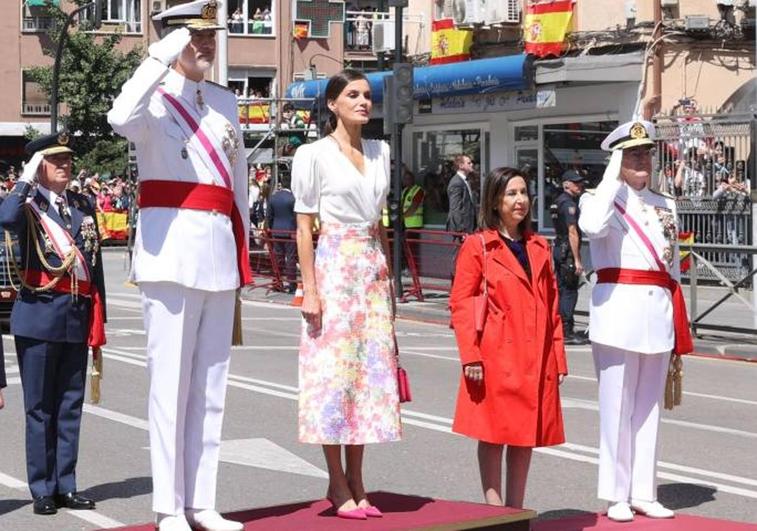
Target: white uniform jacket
{"points": [[638, 318], [190, 247]]}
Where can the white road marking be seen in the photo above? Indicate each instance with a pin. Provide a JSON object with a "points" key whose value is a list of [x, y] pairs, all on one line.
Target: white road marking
{"points": [[93, 517], [443, 425], [673, 466], [262, 453], [121, 418], [11, 482], [687, 393]]}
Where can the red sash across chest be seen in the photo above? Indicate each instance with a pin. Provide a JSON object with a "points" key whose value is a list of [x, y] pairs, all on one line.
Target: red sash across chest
{"points": [[616, 275], [205, 197]]}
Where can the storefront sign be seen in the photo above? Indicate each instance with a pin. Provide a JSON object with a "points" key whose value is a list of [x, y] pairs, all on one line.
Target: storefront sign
{"points": [[503, 101]]}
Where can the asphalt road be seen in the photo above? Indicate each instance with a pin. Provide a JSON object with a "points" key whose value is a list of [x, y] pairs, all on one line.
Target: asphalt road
{"points": [[708, 453]]}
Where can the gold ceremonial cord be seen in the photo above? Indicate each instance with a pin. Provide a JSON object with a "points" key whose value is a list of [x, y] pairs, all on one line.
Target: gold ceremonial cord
{"points": [[57, 272]]}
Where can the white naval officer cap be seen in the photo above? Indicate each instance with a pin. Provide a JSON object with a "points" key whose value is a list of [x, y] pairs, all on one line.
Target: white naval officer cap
{"points": [[198, 15], [630, 134]]}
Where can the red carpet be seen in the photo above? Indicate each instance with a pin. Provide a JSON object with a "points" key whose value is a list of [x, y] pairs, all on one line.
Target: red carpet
{"points": [[401, 512], [681, 522]]}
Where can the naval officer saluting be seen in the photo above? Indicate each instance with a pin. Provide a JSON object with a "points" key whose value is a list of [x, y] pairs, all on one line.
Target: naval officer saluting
{"points": [[637, 317], [58, 313], [190, 255]]}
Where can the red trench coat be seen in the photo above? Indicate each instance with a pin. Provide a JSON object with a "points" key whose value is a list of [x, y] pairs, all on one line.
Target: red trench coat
{"points": [[521, 347]]}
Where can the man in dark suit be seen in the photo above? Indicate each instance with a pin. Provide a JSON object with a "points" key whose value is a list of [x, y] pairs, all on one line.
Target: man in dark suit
{"points": [[462, 209], [282, 222], [58, 313]]}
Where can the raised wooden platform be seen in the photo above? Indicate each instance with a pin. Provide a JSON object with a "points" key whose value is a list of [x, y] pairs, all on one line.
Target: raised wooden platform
{"points": [[682, 522], [401, 512]]}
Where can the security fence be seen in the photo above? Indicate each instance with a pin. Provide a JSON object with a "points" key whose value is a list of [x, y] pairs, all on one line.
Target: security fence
{"points": [[706, 162]]}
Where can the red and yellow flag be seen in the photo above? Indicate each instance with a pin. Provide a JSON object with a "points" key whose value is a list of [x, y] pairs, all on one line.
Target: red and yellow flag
{"points": [[300, 30], [448, 44], [545, 27], [688, 239]]}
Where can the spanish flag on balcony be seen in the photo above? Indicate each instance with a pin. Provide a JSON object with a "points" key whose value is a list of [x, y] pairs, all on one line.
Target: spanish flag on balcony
{"points": [[448, 44], [545, 27]]}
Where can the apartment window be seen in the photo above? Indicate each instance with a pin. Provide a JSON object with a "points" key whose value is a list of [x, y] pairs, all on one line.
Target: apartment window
{"points": [[34, 100], [251, 17], [122, 15], [35, 18]]}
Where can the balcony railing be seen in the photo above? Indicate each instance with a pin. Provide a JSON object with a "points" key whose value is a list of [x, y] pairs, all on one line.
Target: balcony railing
{"points": [[251, 27], [35, 109], [360, 31], [38, 23]]}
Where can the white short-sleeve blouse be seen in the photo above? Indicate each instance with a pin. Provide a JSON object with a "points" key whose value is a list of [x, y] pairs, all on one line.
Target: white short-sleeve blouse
{"points": [[325, 182]]}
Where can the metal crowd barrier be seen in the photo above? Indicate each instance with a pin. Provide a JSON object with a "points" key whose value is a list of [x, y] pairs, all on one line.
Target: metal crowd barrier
{"points": [[429, 257], [701, 266]]}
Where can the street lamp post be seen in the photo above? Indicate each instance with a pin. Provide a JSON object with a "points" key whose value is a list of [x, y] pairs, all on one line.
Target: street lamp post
{"points": [[59, 54]]}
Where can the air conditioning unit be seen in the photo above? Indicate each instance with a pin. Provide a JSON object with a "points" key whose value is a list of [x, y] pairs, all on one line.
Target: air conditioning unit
{"points": [[501, 11], [465, 12], [697, 23], [669, 3], [383, 36]]}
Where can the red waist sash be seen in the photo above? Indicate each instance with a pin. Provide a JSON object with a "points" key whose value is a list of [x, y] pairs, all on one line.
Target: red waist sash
{"points": [[616, 275], [85, 289], [196, 196]]}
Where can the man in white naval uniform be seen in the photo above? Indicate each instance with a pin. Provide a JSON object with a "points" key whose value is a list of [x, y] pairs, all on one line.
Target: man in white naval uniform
{"points": [[190, 255], [637, 317]]}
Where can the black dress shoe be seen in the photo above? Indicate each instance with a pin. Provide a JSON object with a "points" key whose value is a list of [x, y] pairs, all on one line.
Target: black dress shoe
{"points": [[44, 505], [74, 501]]}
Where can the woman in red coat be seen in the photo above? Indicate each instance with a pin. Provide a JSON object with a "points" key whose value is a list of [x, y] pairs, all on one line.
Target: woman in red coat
{"points": [[512, 369]]}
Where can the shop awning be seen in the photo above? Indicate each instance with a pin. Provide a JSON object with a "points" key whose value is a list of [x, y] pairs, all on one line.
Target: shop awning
{"points": [[512, 72], [41, 3], [611, 68]]}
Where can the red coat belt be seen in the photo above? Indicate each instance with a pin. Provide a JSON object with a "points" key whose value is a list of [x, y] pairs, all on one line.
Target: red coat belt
{"points": [[85, 289], [196, 196], [616, 275]]}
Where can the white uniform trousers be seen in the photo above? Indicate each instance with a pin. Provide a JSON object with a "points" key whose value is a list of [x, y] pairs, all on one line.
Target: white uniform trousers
{"points": [[188, 349], [631, 387]]}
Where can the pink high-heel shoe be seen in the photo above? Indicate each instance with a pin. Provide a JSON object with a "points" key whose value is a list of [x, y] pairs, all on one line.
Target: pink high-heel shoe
{"points": [[352, 514], [372, 512]]}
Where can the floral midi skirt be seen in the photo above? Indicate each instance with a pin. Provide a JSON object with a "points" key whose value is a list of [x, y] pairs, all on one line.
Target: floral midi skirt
{"points": [[348, 369]]}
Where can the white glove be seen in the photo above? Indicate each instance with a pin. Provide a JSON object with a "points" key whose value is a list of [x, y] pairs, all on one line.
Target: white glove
{"points": [[30, 169], [613, 167], [169, 48]]}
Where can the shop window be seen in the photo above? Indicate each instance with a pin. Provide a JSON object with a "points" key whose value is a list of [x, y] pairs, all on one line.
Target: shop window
{"points": [[34, 100], [572, 146], [433, 165], [251, 17]]}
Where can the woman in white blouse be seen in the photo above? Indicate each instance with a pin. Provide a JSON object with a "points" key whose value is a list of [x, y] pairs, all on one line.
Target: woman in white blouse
{"points": [[347, 367]]}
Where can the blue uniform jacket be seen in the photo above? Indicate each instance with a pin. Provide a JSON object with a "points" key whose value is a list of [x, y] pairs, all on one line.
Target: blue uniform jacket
{"points": [[50, 316]]}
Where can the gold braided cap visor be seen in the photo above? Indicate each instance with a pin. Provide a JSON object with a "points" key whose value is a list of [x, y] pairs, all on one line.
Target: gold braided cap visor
{"points": [[625, 143], [54, 150], [194, 23]]}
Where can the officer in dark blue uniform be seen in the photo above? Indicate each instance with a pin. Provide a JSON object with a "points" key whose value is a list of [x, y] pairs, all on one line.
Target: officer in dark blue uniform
{"points": [[567, 252], [58, 310]]}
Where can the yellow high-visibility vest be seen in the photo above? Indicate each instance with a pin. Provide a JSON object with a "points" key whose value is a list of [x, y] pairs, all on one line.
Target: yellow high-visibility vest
{"points": [[415, 220]]}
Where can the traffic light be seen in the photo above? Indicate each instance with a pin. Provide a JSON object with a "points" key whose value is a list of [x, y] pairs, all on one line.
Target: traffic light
{"points": [[403, 93], [398, 97]]}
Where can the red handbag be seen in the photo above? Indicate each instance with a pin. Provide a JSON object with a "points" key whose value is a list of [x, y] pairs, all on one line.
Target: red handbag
{"points": [[403, 382], [481, 302]]}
